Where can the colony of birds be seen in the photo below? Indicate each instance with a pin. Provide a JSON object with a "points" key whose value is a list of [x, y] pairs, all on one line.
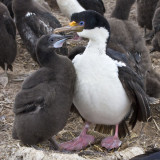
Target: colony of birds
{"points": [[110, 83]]}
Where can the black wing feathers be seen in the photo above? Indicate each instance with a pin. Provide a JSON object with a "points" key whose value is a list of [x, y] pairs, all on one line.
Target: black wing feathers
{"points": [[134, 85], [42, 24]]}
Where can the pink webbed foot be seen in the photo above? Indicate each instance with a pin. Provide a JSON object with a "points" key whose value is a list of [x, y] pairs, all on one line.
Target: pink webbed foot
{"points": [[111, 142], [80, 142]]}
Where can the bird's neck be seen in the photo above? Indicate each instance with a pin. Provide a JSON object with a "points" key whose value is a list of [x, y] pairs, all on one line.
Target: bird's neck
{"points": [[48, 59], [98, 41], [94, 47]]}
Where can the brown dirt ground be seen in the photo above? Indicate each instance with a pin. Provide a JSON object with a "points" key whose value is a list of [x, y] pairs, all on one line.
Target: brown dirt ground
{"points": [[148, 138]]}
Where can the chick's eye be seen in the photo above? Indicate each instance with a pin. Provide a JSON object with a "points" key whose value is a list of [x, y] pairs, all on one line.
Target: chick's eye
{"points": [[51, 40], [81, 23]]}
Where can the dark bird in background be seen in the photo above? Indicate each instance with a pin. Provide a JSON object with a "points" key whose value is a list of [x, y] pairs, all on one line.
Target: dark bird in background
{"points": [[8, 3], [156, 42], [68, 7], [8, 46], [154, 154], [44, 4], [107, 90], [156, 19], [52, 3], [130, 40], [145, 12], [42, 106], [32, 21], [156, 28], [122, 9]]}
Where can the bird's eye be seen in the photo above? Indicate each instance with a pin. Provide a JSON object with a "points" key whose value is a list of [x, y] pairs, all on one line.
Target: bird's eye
{"points": [[51, 39], [81, 23]]}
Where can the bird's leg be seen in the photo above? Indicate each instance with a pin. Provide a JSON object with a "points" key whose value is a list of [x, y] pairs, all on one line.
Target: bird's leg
{"points": [[54, 144], [149, 36], [4, 76], [81, 142], [112, 142], [145, 31], [152, 50], [5, 68]]}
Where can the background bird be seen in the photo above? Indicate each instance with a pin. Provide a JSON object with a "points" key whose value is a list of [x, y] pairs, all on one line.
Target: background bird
{"points": [[32, 21], [156, 28], [8, 3], [8, 45], [153, 154], [145, 12], [122, 9]]}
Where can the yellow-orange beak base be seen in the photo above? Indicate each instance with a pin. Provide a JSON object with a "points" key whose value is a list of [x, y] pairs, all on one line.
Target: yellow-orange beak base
{"points": [[73, 23], [73, 26]]}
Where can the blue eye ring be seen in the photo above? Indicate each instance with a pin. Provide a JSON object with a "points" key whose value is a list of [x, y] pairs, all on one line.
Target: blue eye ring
{"points": [[81, 23]]}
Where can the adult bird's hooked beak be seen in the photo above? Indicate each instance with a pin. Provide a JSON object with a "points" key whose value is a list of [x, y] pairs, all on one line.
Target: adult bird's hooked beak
{"points": [[73, 26]]}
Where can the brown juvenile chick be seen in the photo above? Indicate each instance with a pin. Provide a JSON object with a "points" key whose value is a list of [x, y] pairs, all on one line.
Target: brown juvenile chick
{"points": [[42, 106]]}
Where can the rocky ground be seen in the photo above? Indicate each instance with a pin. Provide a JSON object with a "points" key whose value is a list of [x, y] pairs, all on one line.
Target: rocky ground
{"points": [[140, 140]]}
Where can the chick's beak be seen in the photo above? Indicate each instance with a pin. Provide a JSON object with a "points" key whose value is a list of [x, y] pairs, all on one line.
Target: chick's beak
{"points": [[73, 27], [59, 40]]}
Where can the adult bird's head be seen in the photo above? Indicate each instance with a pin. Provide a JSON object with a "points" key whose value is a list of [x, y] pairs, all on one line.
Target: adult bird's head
{"points": [[88, 24]]}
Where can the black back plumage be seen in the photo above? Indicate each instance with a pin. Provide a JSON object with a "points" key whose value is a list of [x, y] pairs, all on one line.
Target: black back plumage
{"points": [[33, 21], [96, 5], [8, 46], [135, 90], [42, 106]]}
